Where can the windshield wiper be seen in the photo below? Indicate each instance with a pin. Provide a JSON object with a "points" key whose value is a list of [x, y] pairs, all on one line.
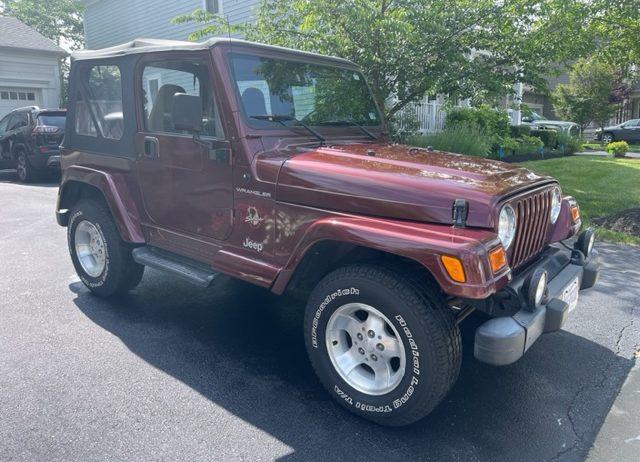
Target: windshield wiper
{"points": [[362, 128], [282, 118]]}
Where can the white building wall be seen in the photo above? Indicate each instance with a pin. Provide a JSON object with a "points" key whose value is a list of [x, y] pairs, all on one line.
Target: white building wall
{"points": [[31, 70], [111, 22]]}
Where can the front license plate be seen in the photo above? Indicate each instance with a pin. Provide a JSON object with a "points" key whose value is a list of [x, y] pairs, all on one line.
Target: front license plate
{"points": [[570, 294]]}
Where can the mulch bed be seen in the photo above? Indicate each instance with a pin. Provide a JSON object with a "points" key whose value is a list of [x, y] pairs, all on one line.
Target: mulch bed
{"points": [[535, 156], [626, 221]]}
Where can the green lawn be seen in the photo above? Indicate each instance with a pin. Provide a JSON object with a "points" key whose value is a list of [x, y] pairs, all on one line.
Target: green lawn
{"points": [[601, 185]]}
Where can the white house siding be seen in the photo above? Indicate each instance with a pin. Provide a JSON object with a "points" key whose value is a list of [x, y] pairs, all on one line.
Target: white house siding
{"points": [[25, 72], [111, 22]]}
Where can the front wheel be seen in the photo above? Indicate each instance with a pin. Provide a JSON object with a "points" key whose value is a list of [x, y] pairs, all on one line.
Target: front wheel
{"points": [[386, 348], [102, 260]]}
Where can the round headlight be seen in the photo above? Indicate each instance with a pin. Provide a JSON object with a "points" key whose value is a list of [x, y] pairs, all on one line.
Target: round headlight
{"points": [[556, 204], [507, 226]]}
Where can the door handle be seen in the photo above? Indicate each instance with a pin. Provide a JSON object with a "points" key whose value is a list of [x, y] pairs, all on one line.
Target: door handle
{"points": [[151, 150]]}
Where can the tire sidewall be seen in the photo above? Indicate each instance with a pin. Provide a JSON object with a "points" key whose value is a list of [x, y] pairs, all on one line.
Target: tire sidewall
{"points": [[21, 155], [78, 215], [420, 361]]}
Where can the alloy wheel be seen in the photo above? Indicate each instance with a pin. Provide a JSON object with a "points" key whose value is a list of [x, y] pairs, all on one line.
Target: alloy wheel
{"points": [[90, 248], [365, 349]]}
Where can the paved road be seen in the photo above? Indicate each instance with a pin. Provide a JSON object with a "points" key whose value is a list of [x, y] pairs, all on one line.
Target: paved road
{"points": [[175, 372]]}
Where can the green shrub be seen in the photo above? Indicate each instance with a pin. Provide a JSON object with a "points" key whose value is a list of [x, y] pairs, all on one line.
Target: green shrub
{"points": [[461, 138], [519, 130], [569, 144], [549, 136], [493, 123], [529, 145], [618, 148]]}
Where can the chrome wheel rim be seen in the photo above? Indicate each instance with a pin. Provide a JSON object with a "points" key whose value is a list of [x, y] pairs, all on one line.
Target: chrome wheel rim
{"points": [[365, 349], [22, 167], [90, 248]]}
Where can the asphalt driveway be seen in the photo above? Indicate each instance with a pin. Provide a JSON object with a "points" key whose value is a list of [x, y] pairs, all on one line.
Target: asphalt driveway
{"points": [[176, 372]]}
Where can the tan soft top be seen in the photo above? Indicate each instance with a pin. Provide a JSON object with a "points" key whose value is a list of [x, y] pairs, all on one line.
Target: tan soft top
{"points": [[143, 45]]}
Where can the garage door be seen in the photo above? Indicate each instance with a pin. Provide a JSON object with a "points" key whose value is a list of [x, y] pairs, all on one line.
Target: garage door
{"points": [[11, 98]]}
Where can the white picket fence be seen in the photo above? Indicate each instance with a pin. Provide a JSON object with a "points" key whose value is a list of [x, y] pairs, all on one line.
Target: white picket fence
{"points": [[429, 114]]}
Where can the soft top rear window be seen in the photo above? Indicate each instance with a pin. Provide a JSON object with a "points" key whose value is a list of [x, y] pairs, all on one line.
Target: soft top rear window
{"points": [[52, 119]]}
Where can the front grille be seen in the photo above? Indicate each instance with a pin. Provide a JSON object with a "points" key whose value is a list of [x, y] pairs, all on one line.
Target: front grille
{"points": [[532, 219]]}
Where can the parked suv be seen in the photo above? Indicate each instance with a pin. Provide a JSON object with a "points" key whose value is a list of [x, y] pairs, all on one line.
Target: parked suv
{"points": [[273, 166], [30, 138]]}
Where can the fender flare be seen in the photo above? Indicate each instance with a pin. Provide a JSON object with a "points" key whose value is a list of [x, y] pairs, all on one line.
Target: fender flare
{"points": [[115, 192], [420, 242]]}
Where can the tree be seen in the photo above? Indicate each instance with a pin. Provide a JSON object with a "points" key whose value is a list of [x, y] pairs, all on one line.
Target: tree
{"points": [[616, 27], [58, 20], [592, 94], [408, 48]]}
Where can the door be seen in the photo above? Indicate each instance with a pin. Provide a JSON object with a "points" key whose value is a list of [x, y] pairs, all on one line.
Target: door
{"points": [[634, 132], [186, 184]]}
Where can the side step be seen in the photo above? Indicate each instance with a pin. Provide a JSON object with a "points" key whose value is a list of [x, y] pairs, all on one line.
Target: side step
{"points": [[190, 270]]}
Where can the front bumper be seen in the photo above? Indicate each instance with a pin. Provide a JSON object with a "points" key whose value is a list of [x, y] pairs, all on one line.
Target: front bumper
{"points": [[504, 340]]}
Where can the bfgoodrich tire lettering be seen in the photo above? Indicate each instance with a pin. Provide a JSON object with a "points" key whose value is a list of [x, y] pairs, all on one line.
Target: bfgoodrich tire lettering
{"points": [[427, 331], [120, 272]]}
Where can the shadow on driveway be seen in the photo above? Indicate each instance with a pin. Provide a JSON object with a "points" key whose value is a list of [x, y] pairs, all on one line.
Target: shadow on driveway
{"points": [[243, 349], [49, 180]]}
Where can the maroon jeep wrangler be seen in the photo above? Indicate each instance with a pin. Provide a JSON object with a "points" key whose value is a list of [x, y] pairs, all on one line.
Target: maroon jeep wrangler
{"points": [[273, 166]]}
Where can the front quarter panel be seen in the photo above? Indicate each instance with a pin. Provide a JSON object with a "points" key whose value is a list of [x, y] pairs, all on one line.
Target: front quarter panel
{"points": [[421, 242]]}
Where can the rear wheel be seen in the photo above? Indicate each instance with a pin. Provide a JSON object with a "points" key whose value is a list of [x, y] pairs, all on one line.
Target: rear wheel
{"points": [[102, 260], [607, 138], [386, 348], [26, 172]]}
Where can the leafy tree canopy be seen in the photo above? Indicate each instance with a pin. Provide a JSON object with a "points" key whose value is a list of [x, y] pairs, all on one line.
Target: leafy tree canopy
{"points": [[592, 94], [58, 20], [407, 48]]}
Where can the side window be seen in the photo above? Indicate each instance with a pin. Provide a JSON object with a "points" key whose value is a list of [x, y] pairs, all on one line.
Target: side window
{"points": [[163, 79], [19, 120], [99, 103], [4, 123]]}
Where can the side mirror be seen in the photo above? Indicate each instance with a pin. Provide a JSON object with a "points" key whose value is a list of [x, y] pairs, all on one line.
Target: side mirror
{"points": [[187, 113]]}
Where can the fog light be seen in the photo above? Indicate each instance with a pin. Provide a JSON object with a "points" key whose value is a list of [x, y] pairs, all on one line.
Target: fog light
{"points": [[585, 242], [536, 288]]}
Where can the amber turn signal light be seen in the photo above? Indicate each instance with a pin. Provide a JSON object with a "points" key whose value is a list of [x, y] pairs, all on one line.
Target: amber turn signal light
{"points": [[575, 213], [454, 268], [497, 259]]}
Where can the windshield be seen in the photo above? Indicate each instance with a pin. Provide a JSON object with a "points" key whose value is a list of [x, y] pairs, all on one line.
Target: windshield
{"points": [[536, 116], [52, 120], [309, 93]]}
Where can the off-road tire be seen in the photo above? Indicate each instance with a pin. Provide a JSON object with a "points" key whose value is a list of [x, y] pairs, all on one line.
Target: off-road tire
{"points": [[121, 272], [418, 311], [25, 171]]}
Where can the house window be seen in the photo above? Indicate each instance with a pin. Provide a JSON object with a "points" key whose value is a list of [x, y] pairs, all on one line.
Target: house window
{"points": [[31, 96], [212, 6], [101, 103], [4, 95], [13, 95], [22, 96]]}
